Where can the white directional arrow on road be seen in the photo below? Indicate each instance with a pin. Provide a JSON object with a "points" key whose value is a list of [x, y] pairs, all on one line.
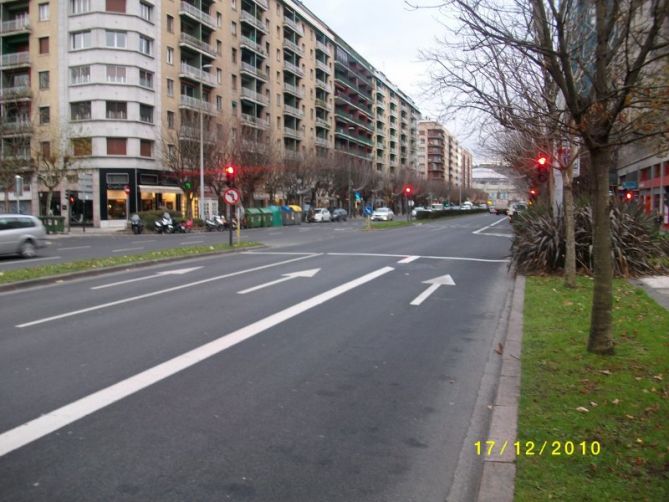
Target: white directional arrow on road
{"points": [[286, 277], [444, 280], [180, 271]]}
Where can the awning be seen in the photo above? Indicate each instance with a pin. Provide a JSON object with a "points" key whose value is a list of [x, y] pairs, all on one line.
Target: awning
{"points": [[159, 189]]}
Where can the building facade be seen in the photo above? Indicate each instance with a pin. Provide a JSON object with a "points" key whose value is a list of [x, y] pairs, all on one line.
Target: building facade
{"points": [[126, 86], [441, 157]]}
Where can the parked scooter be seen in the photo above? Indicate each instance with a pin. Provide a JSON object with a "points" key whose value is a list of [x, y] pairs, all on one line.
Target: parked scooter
{"points": [[215, 223], [184, 227], [164, 225], [136, 224]]}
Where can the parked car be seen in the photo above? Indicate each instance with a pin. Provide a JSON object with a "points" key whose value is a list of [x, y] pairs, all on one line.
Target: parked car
{"points": [[516, 208], [320, 214], [383, 214], [339, 214], [21, 234], [467, 205], [418, 209]]}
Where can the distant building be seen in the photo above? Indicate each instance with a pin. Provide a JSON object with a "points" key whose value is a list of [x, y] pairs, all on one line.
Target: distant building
{"points": [[441, 157], [486, 177]]}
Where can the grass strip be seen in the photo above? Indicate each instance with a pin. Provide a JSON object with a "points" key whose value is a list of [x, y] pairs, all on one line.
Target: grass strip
{"points": [[56, 269], [567, 394], [384, 225]]}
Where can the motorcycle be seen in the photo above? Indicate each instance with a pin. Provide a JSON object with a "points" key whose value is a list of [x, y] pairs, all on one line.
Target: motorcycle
{"points": [[184, 227], [136, 224], [215, 223], [164, 225]]}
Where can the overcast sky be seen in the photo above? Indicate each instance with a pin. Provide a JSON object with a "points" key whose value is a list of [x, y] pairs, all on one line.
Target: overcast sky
{"points": [[388, 35]]}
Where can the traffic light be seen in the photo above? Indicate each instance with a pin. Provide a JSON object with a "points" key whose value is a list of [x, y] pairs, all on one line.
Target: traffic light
{"points": [[71, 199], [408, 190], [629, 196], [541, 160], [230, 173], [533, 194], [542, 163], [187, 185]]}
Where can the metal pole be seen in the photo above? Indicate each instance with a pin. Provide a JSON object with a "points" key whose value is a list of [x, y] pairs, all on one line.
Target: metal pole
{"points": [[202, 154], [229, 215], [348, 193]]}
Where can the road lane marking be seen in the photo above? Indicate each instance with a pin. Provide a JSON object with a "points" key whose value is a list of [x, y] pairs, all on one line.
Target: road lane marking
{"points": [[181, 271], [280, 253], [143, 241], [74, 247], [31, 260], [454, 258], [126, 249], [409, 259], [476, 232], [444, 280], [35, 429], [186, 243], [159, 292], [286, 277]]}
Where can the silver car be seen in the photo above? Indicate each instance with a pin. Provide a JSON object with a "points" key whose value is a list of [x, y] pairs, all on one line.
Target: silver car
{"points": [[383, 214], [21, 234]]}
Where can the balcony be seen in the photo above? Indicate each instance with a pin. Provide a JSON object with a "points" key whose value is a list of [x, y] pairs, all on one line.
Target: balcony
{"points": [[15, 93], [197, 14], [294, 69], [363, 107], [196, 104], [252, 95], [322, 47], [253, 21], [22, 126], [292, 46], [322, 142], [293, 111], [322, 66], [324, 123], [293, 25], [252, 45], [255, 122], [353, 137], [194, 73], [293, 133], [323, 85], [198, 45], [263, 4], [350, 118], [15, 59], [249, 69], [322, 103], [14, 26], [293, 89]]}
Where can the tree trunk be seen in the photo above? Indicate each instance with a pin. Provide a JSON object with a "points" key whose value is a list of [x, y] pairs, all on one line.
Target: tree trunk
{"points": [[600, 340], [569, 228]]}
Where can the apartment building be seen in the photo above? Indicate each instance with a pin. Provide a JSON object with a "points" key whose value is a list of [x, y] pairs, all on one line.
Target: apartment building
{"points": [[441, 157], [126, 85]]}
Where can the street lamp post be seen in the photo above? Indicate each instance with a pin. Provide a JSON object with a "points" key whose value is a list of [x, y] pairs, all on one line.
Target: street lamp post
{"points": [[201, 205]]}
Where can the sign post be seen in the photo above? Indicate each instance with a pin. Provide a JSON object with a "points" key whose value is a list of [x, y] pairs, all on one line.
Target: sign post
{"points": [[18, 192], [231, 197]]}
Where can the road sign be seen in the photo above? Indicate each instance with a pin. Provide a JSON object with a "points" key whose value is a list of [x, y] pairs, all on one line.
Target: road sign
{"points": [[231, 196], [368, 210]]}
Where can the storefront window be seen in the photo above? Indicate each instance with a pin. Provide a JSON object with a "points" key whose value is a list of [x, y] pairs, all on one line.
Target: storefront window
{"points": [[116, 205]]}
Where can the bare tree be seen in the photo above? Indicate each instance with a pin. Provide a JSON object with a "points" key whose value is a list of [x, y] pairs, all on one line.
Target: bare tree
{"points": [[601, 57], [16, 130]]}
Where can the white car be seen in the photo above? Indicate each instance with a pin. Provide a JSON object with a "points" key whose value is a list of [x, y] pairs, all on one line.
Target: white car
{"points": [[383, 214], [21, 234], [321, 214]]}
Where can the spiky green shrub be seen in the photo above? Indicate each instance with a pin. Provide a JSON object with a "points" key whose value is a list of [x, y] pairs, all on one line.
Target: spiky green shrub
{"points": [[539, 241]]}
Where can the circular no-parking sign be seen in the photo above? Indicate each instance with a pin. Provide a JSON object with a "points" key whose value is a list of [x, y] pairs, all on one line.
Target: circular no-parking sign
{"points": [[231, 196]]}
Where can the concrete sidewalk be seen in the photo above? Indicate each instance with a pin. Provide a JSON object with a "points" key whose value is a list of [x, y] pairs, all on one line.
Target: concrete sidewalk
{"points": [[657, 288], [88, 231]]}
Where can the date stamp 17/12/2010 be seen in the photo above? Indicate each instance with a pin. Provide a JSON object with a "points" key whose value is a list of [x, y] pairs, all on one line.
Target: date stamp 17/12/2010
{"points": [[492, 448]]}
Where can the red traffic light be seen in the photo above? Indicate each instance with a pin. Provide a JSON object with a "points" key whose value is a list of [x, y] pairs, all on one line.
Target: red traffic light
{"points": [[628, 196], [408, 190], [541, 161], [229, 170], [71, 200]]}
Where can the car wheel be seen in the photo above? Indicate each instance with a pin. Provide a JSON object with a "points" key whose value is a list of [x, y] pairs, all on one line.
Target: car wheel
{"points": [[28, 249]]}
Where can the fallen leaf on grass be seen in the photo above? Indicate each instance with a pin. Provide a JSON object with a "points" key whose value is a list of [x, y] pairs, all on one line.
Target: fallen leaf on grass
{"points": [[605, 372], [582, 409], [593, 404], [629, 417], [658, 378], [616, 401]]}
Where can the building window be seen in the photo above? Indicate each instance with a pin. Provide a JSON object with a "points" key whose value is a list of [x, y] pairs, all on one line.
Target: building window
{"points": [[44, 45], [145, 147], [82, 147], [170, 120], [219, 20], [171, 151], [43, 80], [170, 24], [45, 146], [146, 79], [234, 55], [80, 40], [219, 103], [170, 55], [117, 110], [80, 110], [219, 76], [44, 12], [145, 11], [234, 82], [116, 39], [233, 3], [233, 29], [145, 45], [44, 115], [170, 87], [115, 74], [115, 6], [117, 146], [219, 47], [146, 113], [80, 74], [80, 6]]}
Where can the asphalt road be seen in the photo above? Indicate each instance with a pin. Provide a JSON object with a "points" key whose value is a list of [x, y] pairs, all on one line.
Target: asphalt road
{"points": [[356, 380]]}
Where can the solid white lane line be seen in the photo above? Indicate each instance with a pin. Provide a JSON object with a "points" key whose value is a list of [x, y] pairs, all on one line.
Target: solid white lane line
{"points": [[409, 259], [489, 226], [279, 253], [50, 422], [159, 274], [74, 247], [126, 249], [160, 292], [454, 258]]}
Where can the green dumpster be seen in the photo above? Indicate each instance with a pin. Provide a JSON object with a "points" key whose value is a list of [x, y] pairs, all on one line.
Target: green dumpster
{"points": [[53, 224], [253, 217], [297, 214], [267, 216], [277, 220]]}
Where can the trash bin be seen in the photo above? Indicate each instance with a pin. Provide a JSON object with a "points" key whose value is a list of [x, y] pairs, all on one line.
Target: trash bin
{"points": [[277, 219], [53, 224], [287, 215], [266, 216], [253, 218], [297, 214]]}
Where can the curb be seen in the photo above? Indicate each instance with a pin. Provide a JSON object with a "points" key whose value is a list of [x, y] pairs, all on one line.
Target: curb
{"points": [[499, 471]]}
